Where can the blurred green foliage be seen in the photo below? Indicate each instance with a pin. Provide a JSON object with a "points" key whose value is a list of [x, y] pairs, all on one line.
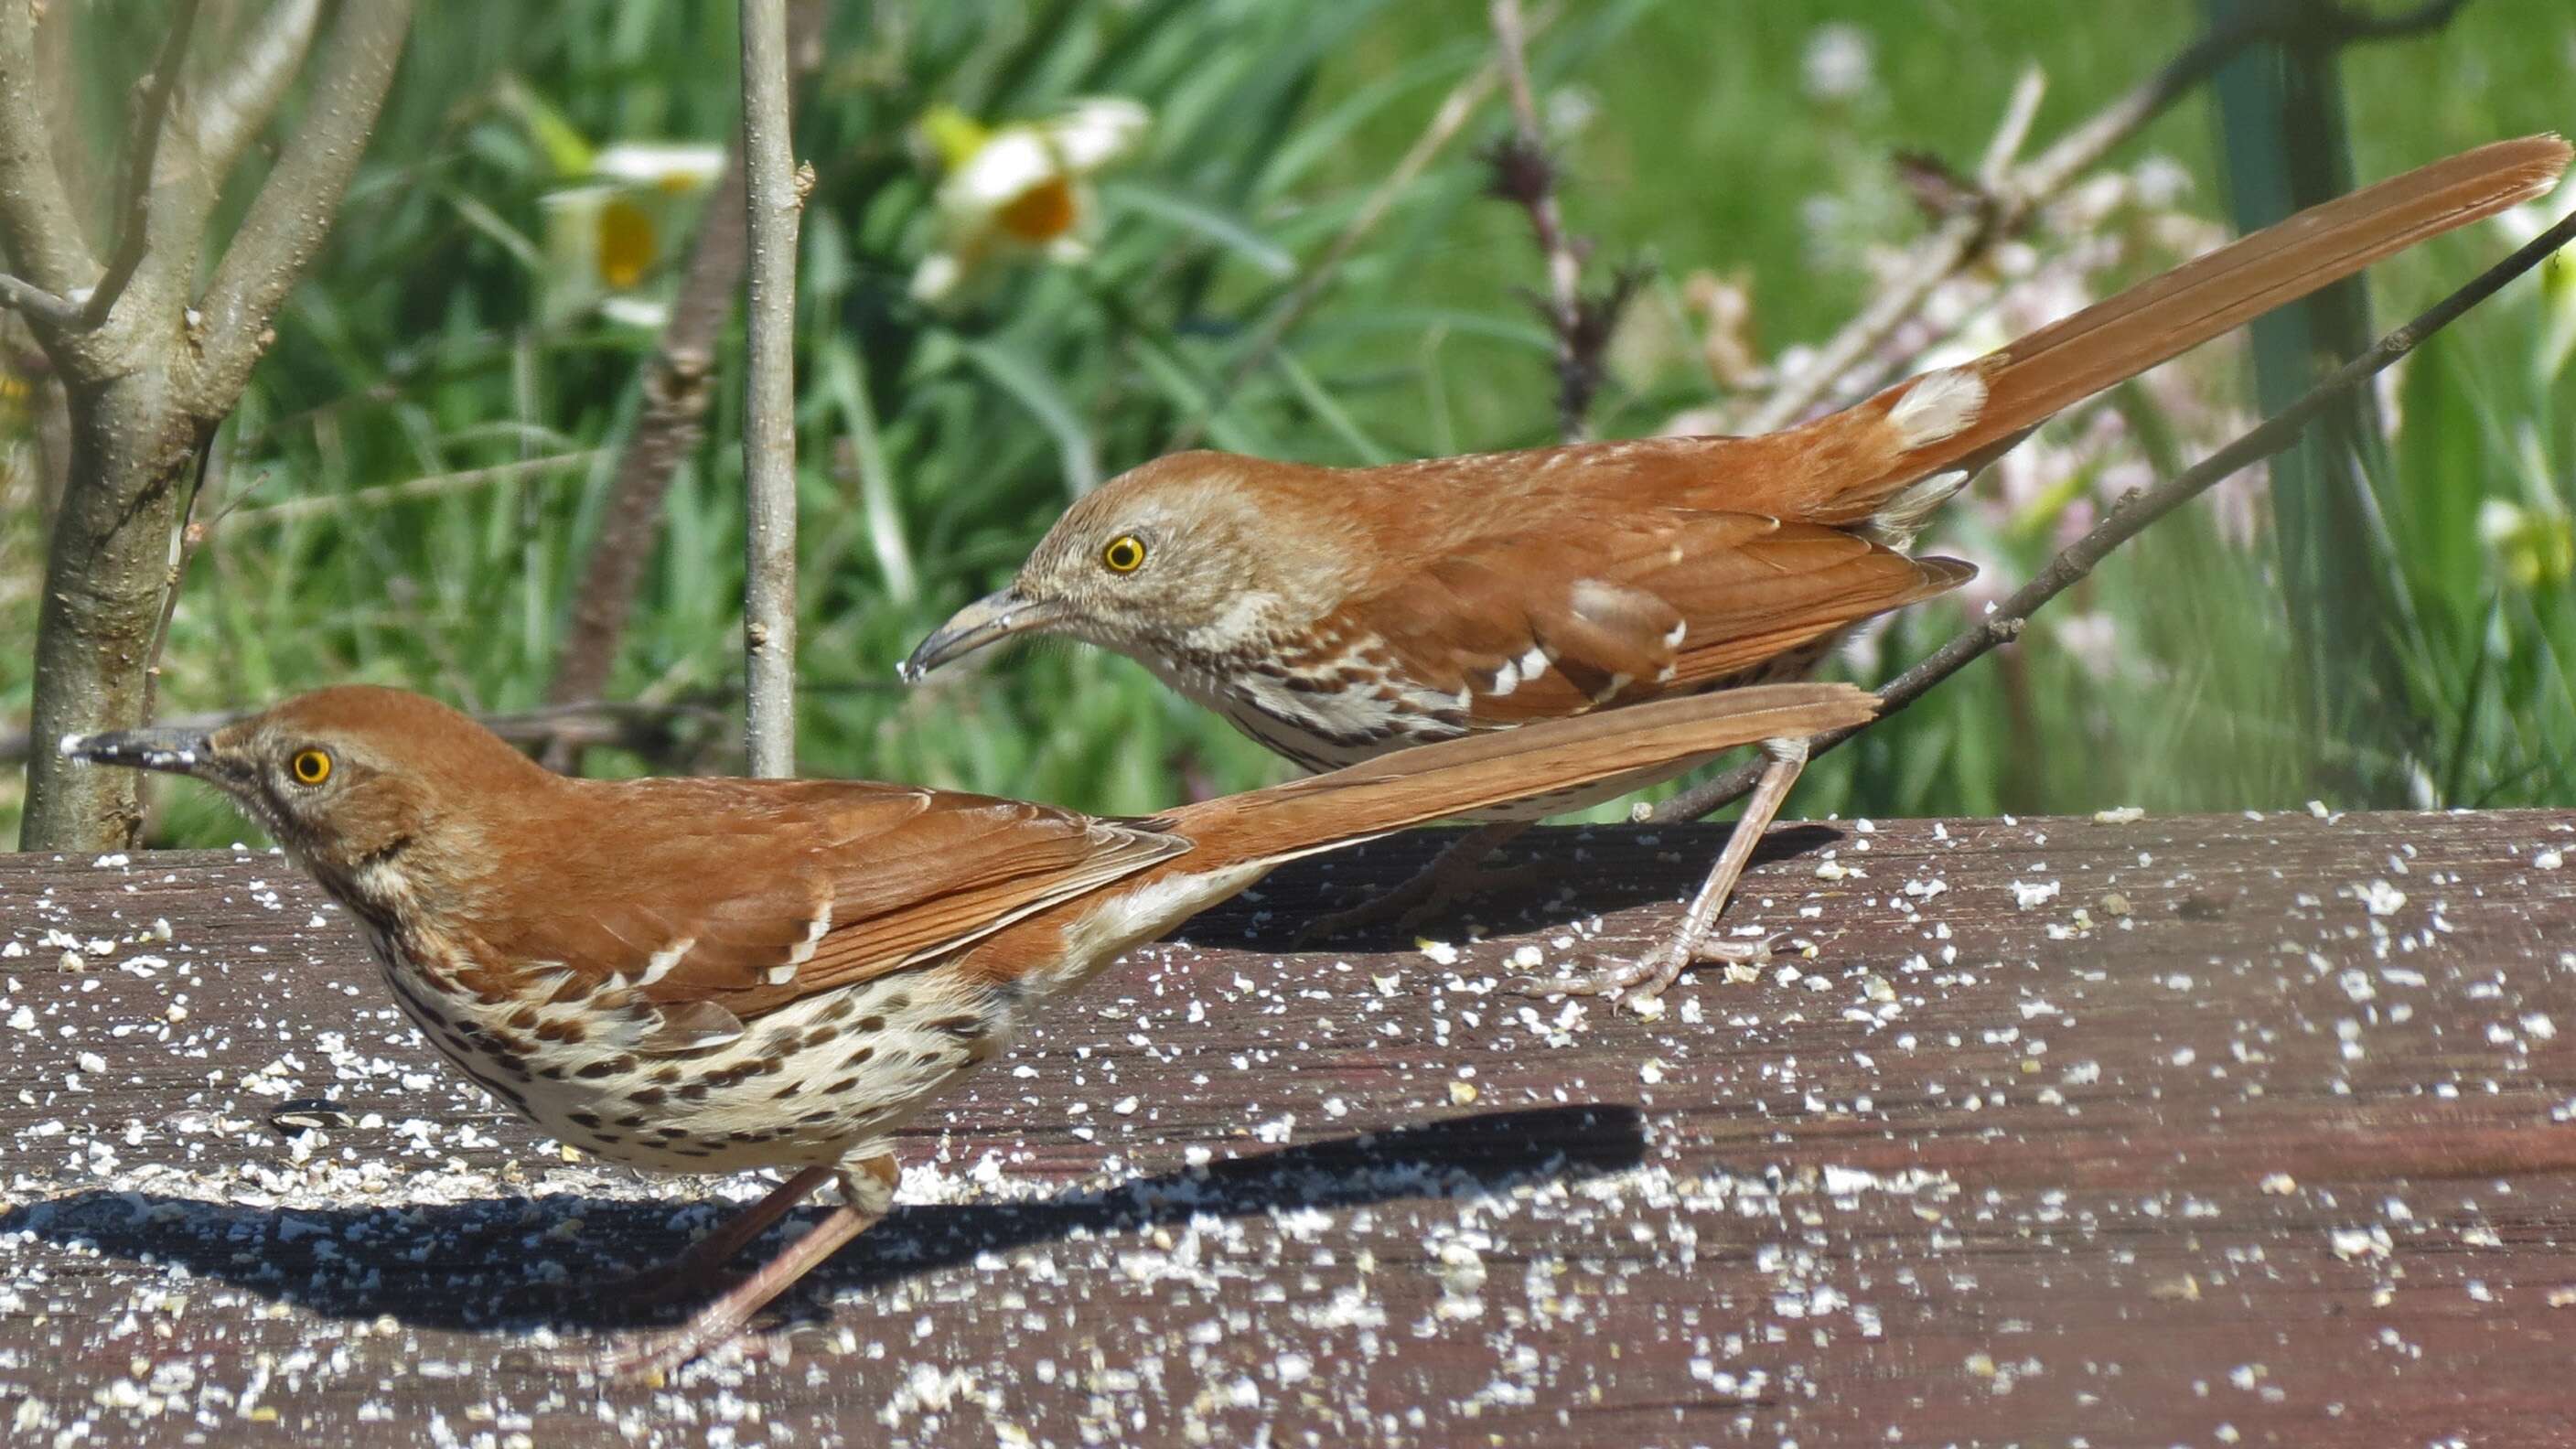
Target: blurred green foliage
{"points": [[936, 445]]}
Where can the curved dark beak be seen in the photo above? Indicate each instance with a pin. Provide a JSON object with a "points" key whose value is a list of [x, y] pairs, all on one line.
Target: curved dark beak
{"points": [[987, 620], [173, 751]]}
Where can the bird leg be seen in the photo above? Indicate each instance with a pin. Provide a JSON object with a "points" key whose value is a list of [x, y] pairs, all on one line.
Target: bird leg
{"points": [[700, 1264], [1454, 875], [869, 1195], [1648, 975]]}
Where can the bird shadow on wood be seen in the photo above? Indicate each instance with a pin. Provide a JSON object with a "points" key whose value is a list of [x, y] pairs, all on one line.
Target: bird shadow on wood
{"points": [[523, 1261], [1575, 872]]}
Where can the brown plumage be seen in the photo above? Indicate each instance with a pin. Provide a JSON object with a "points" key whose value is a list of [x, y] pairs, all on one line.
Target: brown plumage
{"points": [[1335, 613], [713, 975]]}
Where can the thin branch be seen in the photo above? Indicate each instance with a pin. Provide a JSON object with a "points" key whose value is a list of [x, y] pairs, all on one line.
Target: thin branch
{"points": [[2139, 508], [212, 465], [773, 197], [670, 423], [1445, 123], [292, 214], [432, 485], [38, 303], [1524, 175], [142, 161], [2014, 193], [232, 110], [38, 223]]}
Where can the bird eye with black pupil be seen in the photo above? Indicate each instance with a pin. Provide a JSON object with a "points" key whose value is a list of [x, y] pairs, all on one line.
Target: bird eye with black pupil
{"points": [[310, 767], [1124, 555]]}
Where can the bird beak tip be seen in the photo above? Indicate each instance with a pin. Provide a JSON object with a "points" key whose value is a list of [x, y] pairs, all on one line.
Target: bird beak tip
{"points": [[176, 752], [988, 620]]}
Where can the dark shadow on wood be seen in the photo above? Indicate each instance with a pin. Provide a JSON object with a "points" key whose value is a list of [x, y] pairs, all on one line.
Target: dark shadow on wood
{"points": [[512, 1261], [1585, 871]]}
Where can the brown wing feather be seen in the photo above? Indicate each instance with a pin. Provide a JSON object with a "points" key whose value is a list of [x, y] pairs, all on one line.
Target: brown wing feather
{"points": [[1543, 625], [756, 893]]}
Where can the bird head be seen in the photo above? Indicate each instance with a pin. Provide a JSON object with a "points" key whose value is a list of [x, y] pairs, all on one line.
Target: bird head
{"points": [[371, 789], [1197, 555]]}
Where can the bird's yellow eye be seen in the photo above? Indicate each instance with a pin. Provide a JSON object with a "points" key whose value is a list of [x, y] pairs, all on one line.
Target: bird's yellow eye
{"points": [[1124, 555], [311, 767]]}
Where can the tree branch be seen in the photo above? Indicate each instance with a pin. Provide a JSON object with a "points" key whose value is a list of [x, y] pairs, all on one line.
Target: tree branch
{"points": [[232, 110], [2139, 508], [292, 213], [142, 161], [669, 425], [773, 197], [38, 303], [1524, 175], [37, 220]]}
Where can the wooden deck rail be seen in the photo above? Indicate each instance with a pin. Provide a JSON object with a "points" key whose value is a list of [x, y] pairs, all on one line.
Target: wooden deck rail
{"points": [[2206, 1130]]}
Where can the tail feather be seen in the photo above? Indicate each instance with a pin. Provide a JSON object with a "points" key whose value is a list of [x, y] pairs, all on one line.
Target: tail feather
{"points": [[1455, 777], [1963, 416]]}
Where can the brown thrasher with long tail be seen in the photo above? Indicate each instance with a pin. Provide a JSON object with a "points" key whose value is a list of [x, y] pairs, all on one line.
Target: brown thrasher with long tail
{"points": [[708, 975], [1338, 613]]}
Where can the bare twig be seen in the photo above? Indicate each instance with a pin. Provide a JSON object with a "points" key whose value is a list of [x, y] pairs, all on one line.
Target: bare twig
{"points": [[431, 485], [1445, 123], [773, 197], [2139, 508], [210, 469], [668, 426], [38, 303], [1524, 175], [2013, 193], [292, 213], [142, 161], [233, 109]]}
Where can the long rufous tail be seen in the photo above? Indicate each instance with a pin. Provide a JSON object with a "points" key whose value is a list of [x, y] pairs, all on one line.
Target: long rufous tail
{"points": [[1960, 417], [1454, 777]]}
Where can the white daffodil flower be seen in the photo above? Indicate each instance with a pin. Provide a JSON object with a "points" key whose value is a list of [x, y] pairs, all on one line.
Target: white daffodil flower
{"points": [[611, 239], [1021, 187]]}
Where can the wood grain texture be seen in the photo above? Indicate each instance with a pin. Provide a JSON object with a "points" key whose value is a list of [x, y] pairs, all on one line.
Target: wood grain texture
{"points": [[2207, 1130]]}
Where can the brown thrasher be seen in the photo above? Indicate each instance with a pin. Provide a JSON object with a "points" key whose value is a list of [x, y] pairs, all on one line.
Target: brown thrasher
{"points": [[1337, 613], [708, 975]]}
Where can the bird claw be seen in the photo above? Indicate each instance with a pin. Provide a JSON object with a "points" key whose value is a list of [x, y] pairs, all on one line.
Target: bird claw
{"points": [[644, 1358], [1643, 978]]}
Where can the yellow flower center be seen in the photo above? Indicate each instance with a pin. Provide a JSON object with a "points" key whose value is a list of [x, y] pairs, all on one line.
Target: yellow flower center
{"points": [[628, 245], [1040, 214]]}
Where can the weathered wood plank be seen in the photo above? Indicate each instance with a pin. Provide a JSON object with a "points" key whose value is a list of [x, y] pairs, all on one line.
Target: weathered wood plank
{"points": [[2200, 1130]]}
